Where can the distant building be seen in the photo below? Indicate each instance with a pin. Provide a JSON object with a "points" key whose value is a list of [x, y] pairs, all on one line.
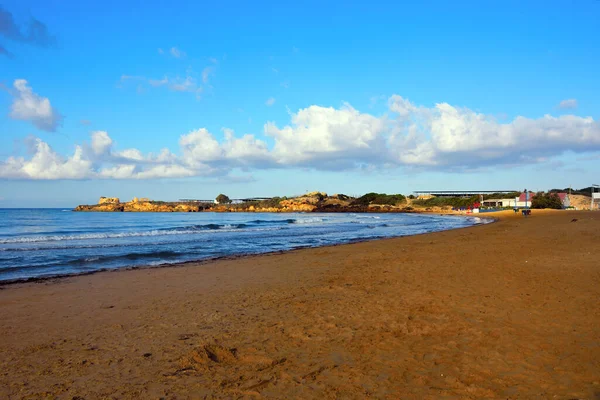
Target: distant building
{"points": [[524, 200], [564, 197], [500, 203], [458, 193]]}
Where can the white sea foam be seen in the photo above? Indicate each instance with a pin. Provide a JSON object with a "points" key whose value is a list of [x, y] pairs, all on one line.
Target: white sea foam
{"points": [[91, 236], [309, 220]]}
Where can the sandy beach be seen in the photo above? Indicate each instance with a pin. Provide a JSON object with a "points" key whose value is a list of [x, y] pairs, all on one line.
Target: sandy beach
{"points": [[508, 310]]}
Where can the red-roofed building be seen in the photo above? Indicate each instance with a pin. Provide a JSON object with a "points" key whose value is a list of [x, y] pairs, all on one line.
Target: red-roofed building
{"points": [[524, 200], [564, 198]]}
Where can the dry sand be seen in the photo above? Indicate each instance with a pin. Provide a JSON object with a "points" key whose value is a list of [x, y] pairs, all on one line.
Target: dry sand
{"points": [[508, 310]]}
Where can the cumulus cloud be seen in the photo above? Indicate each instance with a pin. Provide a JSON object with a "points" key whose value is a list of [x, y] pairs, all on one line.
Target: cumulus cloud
{"points": [[270, 101], [36, 33], [568, 104], [101, 142], [442, 137], [445, 135], [29, 106], [200, 148], [328, 135], [47, 164], [200, 155]]}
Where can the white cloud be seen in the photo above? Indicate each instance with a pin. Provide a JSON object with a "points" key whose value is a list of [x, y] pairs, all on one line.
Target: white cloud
{"points": [[101, 142], [121, 171], [200, 146], [47, 164], [459, 137], [158, 82], [270, 101], [246, 150], [175, 52], [184, 85], [568, 104], [207, 73], [131, 154], [29, 106], [161, 51], [442, 137], [201, 154], [323, 134], [176, 84], [401, 106]]}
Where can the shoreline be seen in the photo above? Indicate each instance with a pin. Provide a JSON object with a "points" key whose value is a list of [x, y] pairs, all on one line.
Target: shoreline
{"points": [[57, 278], [502, 310]]}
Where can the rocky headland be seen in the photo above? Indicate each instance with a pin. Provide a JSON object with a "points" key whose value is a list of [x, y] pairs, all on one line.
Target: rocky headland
{"points": [[310, 202]]}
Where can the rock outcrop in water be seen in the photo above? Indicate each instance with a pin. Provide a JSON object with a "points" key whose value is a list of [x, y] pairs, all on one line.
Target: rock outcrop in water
{"points": [[142, 205]]}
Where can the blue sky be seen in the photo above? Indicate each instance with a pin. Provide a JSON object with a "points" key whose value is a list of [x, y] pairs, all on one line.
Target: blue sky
{"points": [[334, 96]]}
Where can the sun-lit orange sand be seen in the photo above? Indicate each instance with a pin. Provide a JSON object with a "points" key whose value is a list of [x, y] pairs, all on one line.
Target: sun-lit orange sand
{"points": [[508, 310]]}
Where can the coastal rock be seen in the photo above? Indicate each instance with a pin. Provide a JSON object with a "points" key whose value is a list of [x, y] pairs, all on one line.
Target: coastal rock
{"points": [[138, 206], [105, 207], [108, 200], [316, 194], [302, 204], [148, 206]]}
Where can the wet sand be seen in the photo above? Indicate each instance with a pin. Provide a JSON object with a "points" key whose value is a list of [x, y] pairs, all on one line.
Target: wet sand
{"points": [[508, 310]]}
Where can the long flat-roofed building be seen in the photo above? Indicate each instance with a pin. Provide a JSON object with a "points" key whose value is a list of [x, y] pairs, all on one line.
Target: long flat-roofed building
{"points": [[459, 193]]}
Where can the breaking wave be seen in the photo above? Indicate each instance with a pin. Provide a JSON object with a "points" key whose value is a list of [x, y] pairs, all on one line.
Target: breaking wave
{"points": [[178, 230]]}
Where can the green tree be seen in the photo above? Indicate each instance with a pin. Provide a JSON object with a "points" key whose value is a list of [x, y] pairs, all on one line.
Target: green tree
{"points": [[546, 200], [223, 199]]}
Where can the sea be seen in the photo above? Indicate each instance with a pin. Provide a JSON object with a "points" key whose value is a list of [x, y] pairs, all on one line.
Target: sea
{"points": [[37, 243]]}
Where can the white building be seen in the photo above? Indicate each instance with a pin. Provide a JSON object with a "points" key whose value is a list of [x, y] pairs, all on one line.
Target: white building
{"points": [[501, 203]]}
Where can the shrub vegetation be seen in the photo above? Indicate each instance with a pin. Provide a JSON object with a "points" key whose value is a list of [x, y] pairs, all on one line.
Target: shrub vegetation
{"points": [[546, 200], [456, 202], [379, 198]]}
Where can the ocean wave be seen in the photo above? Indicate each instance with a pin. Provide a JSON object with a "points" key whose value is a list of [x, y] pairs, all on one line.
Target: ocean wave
{"points": [[309, 220], [89, 236], [99, 261], [183, 230], [178, 230], [68, 247], [128, 256], [276, 221]]}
